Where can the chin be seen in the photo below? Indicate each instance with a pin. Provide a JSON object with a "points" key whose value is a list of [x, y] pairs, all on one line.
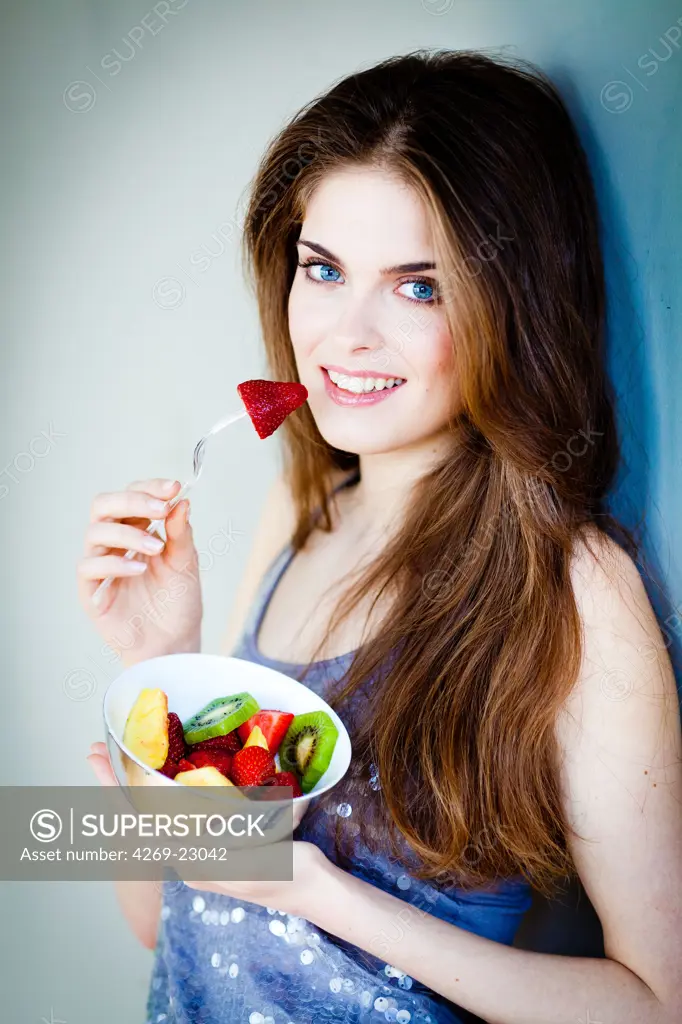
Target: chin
{"points": [[363, 441]]}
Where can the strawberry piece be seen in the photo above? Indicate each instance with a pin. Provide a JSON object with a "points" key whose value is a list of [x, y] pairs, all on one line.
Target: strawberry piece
{"points": [[284, 779], [177, 748], [185, 766], [273, 725], [169, 768], [220, 759], [230, 743], [269, 402], [250, 764]]}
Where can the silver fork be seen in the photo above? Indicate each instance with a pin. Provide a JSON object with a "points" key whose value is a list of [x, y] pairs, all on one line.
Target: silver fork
{"points": [[198, 463]]}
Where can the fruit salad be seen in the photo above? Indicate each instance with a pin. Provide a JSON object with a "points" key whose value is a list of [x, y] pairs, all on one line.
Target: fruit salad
{"points": [[231, 741]]}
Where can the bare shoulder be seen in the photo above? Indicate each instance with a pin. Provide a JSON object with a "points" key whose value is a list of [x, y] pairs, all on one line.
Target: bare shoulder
{"points": [[273, 530], [609, 588], [625, 666], [274, 527]]}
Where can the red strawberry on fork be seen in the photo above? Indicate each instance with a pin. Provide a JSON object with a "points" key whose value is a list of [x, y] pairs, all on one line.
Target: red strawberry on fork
{"points": [[269, 402]]}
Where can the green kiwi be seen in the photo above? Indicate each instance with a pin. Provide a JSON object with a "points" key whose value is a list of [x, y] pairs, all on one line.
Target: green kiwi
{"points": [[308, 746], [219, 717]]}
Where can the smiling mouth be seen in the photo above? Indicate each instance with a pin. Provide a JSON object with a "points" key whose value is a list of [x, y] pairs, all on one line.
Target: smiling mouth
{"points": [[362, 385]]}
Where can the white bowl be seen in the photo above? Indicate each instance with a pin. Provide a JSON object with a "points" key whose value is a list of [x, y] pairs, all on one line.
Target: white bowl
{"points": [[190, 682]]}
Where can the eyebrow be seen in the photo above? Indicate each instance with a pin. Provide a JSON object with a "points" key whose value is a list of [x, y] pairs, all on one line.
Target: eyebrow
{"points": [[401, 268]]}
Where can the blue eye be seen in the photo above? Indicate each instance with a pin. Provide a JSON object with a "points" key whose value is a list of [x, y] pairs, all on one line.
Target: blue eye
{"points": [[422, 291], [324, 271]]}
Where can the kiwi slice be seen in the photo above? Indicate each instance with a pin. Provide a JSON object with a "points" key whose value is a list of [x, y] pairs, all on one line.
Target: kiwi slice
{"points": [[308, 746], [219, 717]]}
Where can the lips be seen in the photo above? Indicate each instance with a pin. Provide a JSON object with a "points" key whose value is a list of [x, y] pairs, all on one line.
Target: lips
{"points": [[347, 398]]}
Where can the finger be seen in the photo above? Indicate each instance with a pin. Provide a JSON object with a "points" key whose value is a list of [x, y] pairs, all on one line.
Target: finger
{"points": [[109, 565], [127, 505], [101, 766], [179, 535], [102, 536], [158, 487]]}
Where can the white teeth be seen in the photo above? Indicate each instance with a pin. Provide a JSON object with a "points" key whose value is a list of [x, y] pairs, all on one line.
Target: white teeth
{"points": [[361, 385]]}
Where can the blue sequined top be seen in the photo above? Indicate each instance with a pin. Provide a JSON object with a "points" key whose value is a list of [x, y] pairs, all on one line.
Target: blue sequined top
{"points": [[219, 959]]}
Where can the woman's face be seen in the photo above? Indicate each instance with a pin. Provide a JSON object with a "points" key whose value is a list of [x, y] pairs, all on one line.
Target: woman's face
{"points": [[367, 306]]}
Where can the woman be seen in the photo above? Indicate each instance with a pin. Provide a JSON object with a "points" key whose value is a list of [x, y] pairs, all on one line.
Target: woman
{"points": [[442, 568]]}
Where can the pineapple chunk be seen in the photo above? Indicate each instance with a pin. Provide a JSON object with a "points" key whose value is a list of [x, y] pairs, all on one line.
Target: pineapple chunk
{"points": [[256, 738], [206, 776], [146, 729]]}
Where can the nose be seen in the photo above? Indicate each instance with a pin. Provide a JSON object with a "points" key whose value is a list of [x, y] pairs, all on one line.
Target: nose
{"points": [[358, 333]]}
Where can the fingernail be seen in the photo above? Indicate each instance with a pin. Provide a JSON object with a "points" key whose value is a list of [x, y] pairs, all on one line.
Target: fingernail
{"points": [[156, 506], [188, 509], [152, 544], [168, 485], [138, 566]]}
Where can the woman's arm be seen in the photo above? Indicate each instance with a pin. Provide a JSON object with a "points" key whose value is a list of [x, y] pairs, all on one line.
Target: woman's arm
{"points": [[622, 791], [139, 901], [141, 906]]}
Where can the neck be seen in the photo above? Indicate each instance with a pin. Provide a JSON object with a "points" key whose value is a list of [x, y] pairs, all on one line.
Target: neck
{"points": [[385, 488]]}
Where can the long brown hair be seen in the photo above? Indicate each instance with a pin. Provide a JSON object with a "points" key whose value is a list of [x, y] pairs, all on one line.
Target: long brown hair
{"points": [[483, 643]]}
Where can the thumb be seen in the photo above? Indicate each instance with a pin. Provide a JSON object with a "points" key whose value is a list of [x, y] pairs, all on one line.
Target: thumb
{"points": [[179, 535]]}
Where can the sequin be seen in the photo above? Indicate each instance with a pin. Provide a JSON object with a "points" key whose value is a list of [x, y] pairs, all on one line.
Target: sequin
{"points": [[365, 997], [256, 1018], [271, 910], [307, 956], [206, 917], [233, 970], [344, 810], [165, 913], [335, 984], [224, 916], [391, 1014], [313, 939], [277, 927], [198, 904], [404, 882], [403, 1016], [405, 981], [238, 914], [215, 960], [374, 784], [348, 985], [160, 1018], [381, 1004]]}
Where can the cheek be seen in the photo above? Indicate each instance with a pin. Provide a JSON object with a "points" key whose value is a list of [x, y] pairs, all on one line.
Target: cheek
{"points": [[433, 359], [308, 320]]}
